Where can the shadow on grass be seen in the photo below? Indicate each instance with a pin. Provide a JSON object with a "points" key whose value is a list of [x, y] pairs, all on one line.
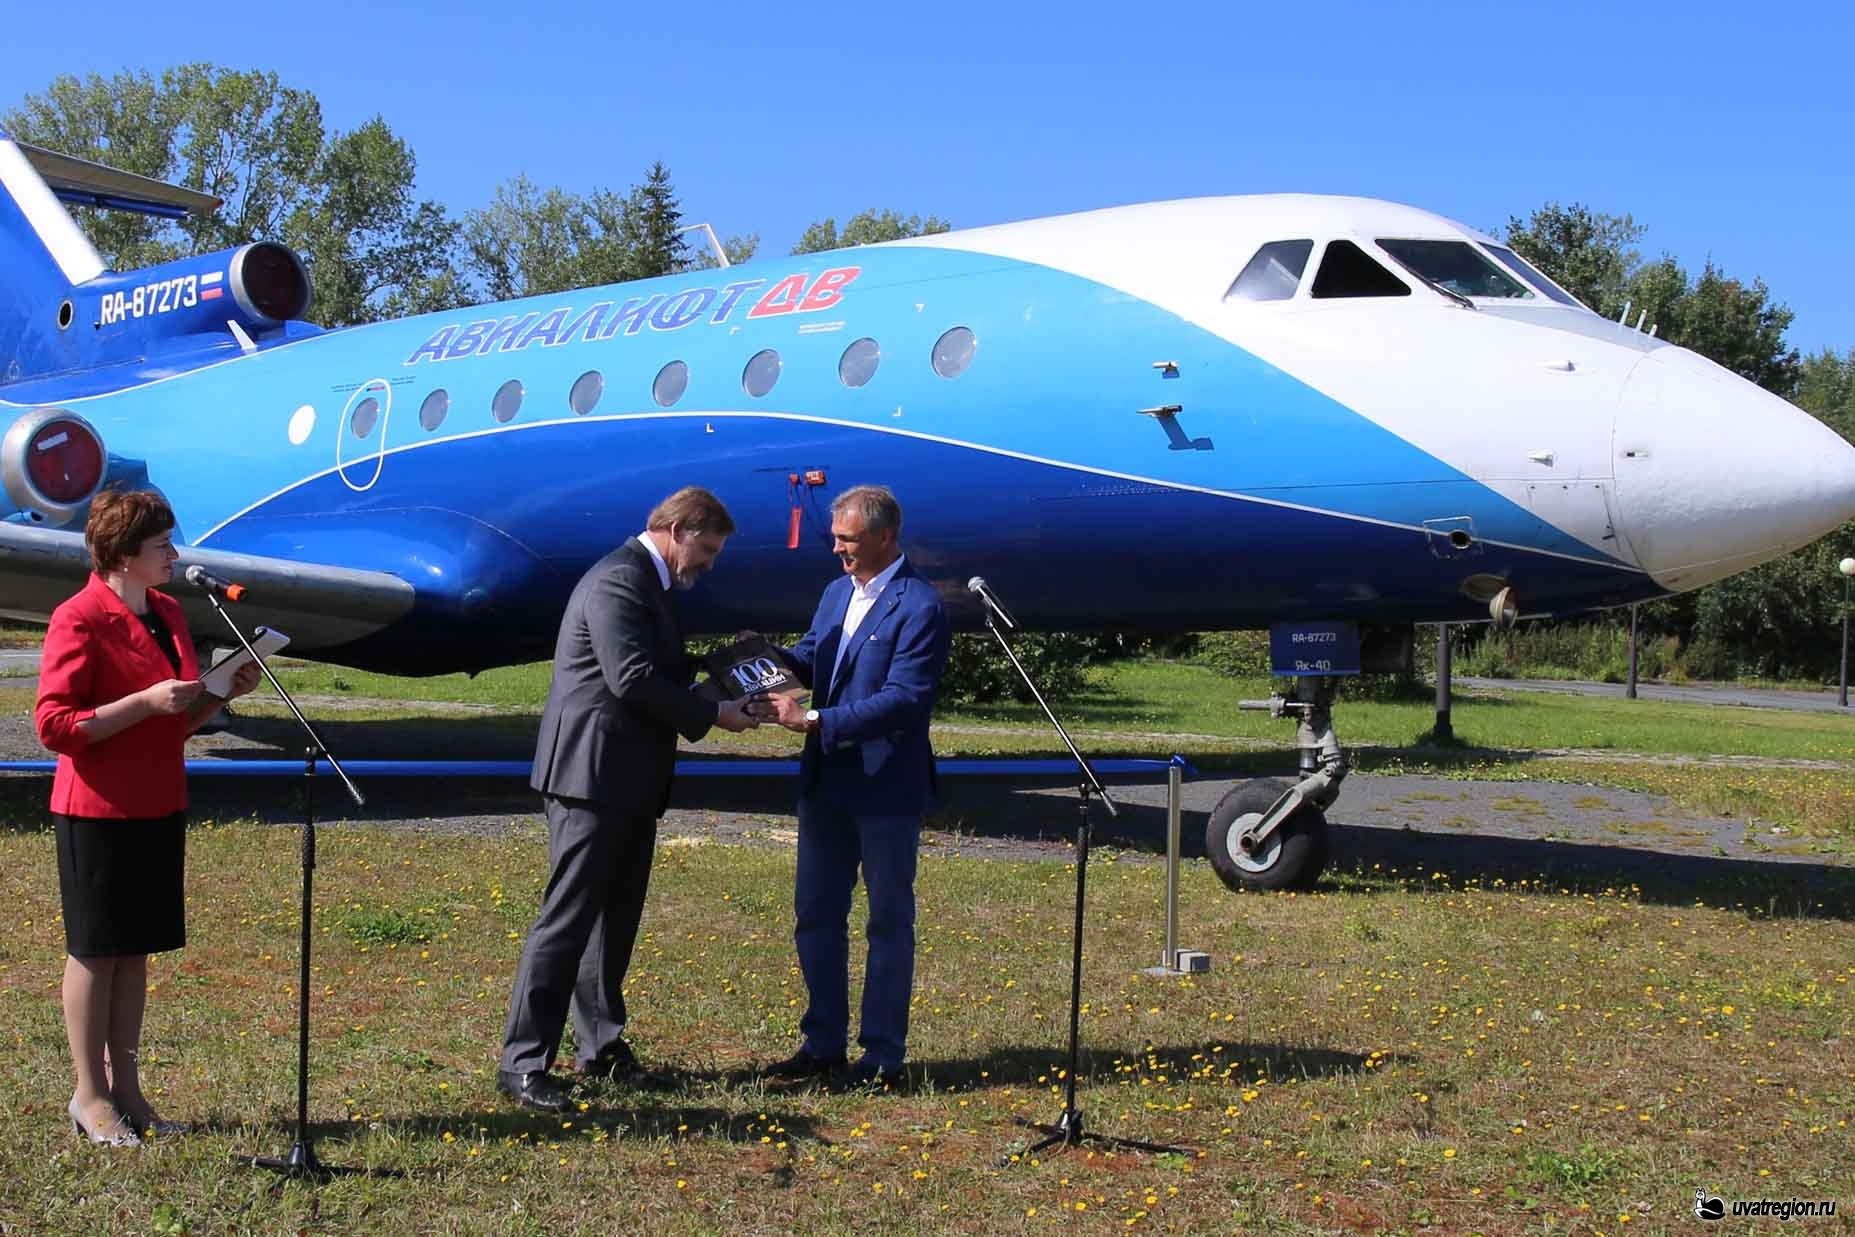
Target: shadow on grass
{"points": [[619, 1114], [1765, 887], [1018, 1067], [335, 1141], [1017, 809]]}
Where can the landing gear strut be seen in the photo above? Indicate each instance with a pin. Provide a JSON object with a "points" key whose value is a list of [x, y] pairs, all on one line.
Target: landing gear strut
{"points": [[1269, 833]]}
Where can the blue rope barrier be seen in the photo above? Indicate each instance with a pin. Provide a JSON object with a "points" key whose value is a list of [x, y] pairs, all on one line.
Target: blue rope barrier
{"points": [[684, 768]]}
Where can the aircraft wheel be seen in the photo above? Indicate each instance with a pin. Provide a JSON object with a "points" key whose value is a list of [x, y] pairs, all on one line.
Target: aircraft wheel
{"points": [[1291, 858]]}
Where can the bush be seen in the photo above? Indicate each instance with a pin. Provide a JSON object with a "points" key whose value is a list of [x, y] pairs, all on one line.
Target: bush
{"points": [[978, 671], [1234, 654]]}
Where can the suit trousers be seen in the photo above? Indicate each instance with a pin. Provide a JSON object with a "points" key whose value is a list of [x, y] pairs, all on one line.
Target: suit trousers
{"points": [[580, 946], [833, 843]]}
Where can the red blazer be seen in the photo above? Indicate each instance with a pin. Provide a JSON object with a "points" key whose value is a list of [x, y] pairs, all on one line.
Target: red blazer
{"points": [[96, 652]]}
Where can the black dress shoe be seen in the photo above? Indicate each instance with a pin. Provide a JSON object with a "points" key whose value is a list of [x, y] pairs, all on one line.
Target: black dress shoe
{"points": [[616, 1061], [538, 1090], [801, 1066], [865, 1076]]}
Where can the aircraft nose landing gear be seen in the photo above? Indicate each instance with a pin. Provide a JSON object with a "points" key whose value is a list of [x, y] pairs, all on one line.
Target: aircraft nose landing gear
{"points": [[1268, 833]]}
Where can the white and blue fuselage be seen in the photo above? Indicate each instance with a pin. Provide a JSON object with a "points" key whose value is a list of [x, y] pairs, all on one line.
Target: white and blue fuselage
{"points": [[1085, 410]]}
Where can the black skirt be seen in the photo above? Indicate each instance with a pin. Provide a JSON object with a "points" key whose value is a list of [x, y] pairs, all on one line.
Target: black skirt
{"points": [[123, 885]]}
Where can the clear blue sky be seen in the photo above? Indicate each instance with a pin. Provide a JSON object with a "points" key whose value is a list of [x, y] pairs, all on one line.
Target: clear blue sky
{"points": [[1719, 125]]}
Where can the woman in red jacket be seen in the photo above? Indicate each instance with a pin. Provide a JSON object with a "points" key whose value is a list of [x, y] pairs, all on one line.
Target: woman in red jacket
{"points": [[119, 693]]}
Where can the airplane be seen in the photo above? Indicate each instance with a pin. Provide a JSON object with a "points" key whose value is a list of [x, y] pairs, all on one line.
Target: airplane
{"points": [[1334, 417]]}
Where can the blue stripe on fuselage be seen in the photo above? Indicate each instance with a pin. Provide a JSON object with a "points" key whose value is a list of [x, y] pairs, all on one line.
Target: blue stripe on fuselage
{"points": [[1062, 367], [1073, 549]]}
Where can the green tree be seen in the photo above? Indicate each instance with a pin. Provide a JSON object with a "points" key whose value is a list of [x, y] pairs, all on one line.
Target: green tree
{"points": [[372, 252], [1591, 255], [652, 226], [1738, 326], [345, 201], [529, 241], [1826, 387], [868, 228], [739, 248], [128, 121]]}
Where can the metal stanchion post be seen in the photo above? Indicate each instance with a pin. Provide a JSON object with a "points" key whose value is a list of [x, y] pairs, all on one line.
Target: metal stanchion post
{"points": [[1630, 690], [1444, 730], [1847, 568], [1172, 959]]}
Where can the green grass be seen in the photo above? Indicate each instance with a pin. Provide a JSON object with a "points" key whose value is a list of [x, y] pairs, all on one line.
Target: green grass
{"points": [[1159, 699], [1155, 708], [1390, 1054], [1146, 702], [15, 635], [514, 688], [1178, 697]]}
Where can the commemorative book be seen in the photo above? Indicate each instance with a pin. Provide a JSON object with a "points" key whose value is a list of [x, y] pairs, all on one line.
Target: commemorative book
{"points": [[747, 667]]}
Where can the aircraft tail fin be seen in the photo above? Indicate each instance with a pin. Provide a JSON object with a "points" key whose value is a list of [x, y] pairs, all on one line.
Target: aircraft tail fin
{"points": [[43, 256]]}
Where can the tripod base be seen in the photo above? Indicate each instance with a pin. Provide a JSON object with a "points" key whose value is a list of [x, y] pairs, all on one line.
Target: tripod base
{"points": [[302, 1165], [1068, 1132]]}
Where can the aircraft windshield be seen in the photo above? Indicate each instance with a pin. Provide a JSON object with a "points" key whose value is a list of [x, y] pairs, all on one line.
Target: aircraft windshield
{"points": [[1274, 273], [1527, 271], [1456, 266]]}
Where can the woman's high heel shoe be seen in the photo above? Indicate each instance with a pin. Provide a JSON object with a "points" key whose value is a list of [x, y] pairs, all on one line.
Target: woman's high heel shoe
{"points": [[125, 1137], [159, 1127]]}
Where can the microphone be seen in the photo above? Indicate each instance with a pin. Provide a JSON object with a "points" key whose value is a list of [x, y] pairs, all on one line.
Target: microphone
{"points": [[979, 587], [207, 582]]}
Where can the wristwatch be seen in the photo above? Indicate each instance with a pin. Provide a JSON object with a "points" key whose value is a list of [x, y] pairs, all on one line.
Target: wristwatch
{"points": [[811, 719]]}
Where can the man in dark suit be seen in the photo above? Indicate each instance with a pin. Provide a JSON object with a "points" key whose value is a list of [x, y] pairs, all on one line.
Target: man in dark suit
{"points": [[606, 755], [873, 659]]}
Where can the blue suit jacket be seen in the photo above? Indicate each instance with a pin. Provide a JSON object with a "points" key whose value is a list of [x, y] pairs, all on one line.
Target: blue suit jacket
{"points": [[870, 754]]}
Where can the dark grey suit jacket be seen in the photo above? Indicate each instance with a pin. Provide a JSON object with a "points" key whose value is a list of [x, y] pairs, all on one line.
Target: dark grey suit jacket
{"points": [[620, 692]]}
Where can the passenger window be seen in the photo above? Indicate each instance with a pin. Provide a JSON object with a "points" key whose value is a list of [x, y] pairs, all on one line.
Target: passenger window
{"points": [[587, 388], [1273, 274], [366, 413], [858, 364], [953, 352], [1347, 270], [508, 401], [672, 380], [431, 412], [761, 373]]}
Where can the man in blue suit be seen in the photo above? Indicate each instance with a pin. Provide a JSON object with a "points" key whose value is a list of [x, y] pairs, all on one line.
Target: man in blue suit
{"points": [[873, 659]]}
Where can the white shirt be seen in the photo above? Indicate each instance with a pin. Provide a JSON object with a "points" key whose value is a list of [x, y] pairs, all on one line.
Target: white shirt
{"points": [[862, 597], [663, 568]]}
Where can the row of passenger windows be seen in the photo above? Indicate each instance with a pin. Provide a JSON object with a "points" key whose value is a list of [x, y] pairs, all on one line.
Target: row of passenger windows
{"points": [[1346, 270], [951, 355]]}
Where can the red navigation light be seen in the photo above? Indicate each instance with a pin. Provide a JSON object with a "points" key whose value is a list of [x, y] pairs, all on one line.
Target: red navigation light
{"points": [[64, 461]]}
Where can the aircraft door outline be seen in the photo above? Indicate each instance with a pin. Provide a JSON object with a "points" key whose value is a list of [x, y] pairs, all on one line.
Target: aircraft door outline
{"points": [[367, 426]]}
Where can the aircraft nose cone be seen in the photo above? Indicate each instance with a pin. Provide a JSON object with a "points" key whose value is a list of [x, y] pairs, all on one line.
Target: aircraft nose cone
{"points": [[1715, 474]]}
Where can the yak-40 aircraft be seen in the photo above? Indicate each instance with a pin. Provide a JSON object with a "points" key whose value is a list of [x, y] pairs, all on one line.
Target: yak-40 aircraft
{"points": [[1333, 417]]}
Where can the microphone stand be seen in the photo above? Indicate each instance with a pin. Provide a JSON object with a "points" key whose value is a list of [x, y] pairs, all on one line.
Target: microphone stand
{"points": [[1068, 1130], [301, 1162]]}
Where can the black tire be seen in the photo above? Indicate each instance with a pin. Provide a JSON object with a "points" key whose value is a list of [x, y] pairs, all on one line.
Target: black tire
{"points": [[1293, 856]]}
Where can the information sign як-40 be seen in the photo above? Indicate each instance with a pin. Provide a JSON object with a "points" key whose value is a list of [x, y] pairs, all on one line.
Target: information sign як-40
{"points": [[1314, 648]]}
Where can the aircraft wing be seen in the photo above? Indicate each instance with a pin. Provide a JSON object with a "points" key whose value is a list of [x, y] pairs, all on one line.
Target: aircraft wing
{"points": [[315, 605]]}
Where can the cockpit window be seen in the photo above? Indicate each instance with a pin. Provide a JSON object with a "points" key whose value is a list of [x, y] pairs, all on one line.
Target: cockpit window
{"points": [[1527, 271], [1456, 266], [1273, 274], [1347, 270]]}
